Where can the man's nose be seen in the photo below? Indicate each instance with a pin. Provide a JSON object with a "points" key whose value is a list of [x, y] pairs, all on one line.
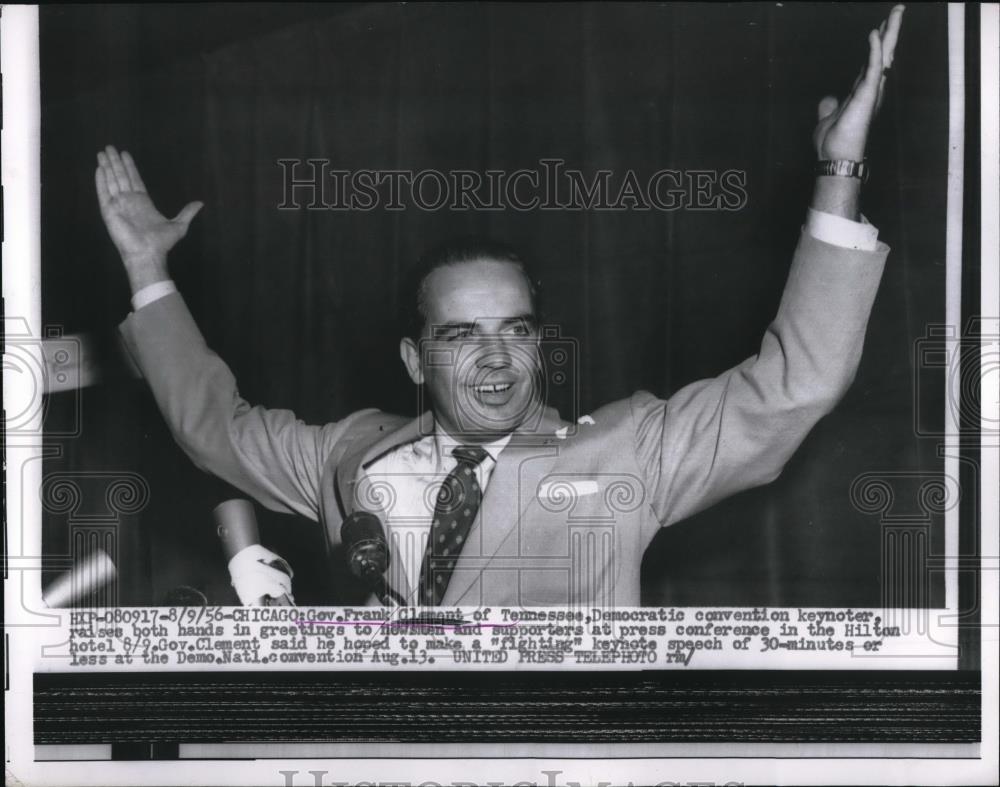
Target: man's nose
{"points": [[493, 353]]}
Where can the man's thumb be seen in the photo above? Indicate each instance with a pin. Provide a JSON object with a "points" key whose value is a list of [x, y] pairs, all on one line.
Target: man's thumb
{"points": [[188, 212], [827, 106]]}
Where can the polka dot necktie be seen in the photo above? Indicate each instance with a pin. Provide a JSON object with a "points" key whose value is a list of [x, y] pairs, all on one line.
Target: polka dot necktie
{"points": [[457, 504]]}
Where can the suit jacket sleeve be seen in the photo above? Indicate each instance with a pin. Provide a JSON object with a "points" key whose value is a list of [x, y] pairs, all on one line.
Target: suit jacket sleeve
{"points": [[269, 454], [719, 436]]}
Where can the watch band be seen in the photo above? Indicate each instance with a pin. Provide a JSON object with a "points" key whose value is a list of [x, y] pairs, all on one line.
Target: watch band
{"points": [[844, 168]]}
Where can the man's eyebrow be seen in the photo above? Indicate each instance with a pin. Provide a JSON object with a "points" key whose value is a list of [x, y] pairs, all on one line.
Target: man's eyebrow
{"points": [[450, 328], [528, 318], [452, 324], [466, 324]]}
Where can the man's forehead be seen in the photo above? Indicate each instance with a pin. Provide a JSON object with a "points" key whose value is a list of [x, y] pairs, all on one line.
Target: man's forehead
{"points": [[477, 291]]}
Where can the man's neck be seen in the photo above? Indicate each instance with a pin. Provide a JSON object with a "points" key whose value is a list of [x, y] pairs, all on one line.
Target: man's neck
{"points": [[492, 444]]}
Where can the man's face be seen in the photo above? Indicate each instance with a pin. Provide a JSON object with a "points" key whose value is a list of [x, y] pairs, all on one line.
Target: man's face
{"points": [[479, 356]]}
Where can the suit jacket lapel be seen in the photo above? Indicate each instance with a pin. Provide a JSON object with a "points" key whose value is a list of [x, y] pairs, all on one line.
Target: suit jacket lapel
{"points": [[350, 474], [350, 471], [521, 466]]}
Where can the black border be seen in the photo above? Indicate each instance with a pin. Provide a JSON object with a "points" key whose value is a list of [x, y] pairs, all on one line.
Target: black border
{"points": [[970, 522], [154, 711]]}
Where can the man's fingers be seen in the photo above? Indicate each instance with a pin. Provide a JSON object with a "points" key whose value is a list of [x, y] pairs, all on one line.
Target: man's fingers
{"points": [[874, 54], [133, 172], [118, 169], [109, 176], [854, 88], [827, 106], [103, 195], [873, 72], [869, 70], [188, 212], [891, 35]]}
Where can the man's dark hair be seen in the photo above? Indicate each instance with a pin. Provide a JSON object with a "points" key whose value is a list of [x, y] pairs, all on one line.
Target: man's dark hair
{"points": [[413, 305]]}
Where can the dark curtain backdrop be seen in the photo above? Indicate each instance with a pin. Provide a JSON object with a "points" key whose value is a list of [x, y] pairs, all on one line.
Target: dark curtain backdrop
{"points": [[302, 303]]}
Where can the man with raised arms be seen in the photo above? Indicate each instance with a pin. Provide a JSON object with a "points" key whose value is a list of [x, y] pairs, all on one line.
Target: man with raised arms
{"points": [[489, 486]]}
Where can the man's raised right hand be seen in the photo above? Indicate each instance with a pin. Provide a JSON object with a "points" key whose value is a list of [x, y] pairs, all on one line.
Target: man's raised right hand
{"points": [[142, 234]]}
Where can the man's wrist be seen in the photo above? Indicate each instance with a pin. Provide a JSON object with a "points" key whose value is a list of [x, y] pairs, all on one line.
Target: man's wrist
{"points": [[837, 195], [144, 270]]}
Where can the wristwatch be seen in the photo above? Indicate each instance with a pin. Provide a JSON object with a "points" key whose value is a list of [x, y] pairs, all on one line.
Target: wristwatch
{"points": [[844, 168]]}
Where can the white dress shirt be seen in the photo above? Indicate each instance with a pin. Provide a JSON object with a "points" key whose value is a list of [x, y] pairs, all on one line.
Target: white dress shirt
{"points": [[406, 481]]}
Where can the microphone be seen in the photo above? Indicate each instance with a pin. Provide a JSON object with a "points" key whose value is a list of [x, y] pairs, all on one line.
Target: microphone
{"points": [[237, 528], [94, 572], [368, 554]]}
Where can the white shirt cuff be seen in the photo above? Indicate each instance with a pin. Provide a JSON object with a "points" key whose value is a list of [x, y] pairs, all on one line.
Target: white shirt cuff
{"points": [[152, 292], [838, 231]]}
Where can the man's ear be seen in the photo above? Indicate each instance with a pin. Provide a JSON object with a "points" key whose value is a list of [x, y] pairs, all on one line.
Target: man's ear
{"points": [[411, 359]]}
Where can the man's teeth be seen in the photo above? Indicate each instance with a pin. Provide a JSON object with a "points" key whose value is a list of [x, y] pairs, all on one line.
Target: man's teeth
{"points": [[495, 388]]}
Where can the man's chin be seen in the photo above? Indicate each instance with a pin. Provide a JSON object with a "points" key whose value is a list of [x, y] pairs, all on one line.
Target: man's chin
{"points": [[494, 423]]}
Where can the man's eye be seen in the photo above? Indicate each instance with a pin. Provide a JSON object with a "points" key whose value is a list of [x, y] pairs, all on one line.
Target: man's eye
{"points": [[518, 329], [449, 333]]}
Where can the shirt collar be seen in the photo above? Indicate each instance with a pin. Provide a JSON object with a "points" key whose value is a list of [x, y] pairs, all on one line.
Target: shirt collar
{"points": [[444, 443]]}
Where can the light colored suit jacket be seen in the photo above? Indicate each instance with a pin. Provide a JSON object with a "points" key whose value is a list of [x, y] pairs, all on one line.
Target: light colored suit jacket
{"points": [[570, 508]]}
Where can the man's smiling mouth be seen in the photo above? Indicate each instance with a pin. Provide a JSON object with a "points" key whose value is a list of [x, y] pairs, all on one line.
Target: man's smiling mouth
{"points": [[492, 388]]}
